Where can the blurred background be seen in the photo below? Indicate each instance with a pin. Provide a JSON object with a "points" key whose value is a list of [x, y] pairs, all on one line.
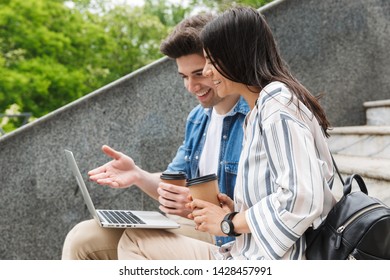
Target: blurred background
{"points": [[53, 52]]}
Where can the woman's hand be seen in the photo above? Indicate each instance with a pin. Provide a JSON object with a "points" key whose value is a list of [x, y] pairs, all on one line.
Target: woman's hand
{"points": [[208, 216], [226, 200]]}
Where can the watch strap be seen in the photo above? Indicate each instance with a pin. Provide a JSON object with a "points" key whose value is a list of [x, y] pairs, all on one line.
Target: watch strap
{"points": [[228, 218]]}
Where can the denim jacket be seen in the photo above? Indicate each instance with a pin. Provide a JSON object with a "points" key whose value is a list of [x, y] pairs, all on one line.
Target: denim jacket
{"points": [[188, 154]]}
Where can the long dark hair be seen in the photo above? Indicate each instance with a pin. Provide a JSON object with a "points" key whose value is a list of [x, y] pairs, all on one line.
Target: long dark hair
{"points": [[242, 48]]}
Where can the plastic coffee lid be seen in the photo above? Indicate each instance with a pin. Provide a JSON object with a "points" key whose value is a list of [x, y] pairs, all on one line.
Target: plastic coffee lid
{"points": [[173, 175], [200, 180]]}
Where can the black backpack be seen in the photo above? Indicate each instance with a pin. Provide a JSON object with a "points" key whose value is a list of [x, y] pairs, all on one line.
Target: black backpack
{"points": [[357, 227]]}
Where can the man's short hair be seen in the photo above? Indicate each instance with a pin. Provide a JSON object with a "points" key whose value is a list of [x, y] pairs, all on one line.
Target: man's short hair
{"points": [[184, 39]]}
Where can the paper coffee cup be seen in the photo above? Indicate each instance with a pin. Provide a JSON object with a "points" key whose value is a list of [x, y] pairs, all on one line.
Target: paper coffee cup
{"points": [[177, 178], [204, 188]]}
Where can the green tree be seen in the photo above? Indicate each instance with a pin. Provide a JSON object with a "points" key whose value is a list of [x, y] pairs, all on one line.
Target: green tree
{"points": [[47, 53], [52, 53], [220, 5], [55, 51], [137, 34]]}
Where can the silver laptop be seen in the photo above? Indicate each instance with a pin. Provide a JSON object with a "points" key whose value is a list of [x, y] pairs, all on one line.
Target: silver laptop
{"points": [[118, 218]]}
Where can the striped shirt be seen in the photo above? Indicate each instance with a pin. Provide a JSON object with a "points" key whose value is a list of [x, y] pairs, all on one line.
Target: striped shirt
{"points": [[284, 178]]}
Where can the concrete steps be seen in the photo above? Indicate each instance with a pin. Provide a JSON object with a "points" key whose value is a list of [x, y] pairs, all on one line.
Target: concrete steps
{"points": [[365, 150], [364, 141], [377, 112], [375, 172], [374, 168]]}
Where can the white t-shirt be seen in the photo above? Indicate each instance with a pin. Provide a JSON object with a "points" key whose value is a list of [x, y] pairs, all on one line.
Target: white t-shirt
{"points": [[209, 158]]}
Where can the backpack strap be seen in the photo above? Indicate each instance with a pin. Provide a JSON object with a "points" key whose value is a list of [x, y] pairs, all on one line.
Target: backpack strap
{"points": [[337, 170]]}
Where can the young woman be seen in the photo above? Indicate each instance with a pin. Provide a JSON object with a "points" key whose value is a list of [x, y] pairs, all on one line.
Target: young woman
{"points": [[285, 171]]}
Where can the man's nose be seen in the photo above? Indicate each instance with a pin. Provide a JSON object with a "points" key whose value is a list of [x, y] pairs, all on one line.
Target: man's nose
{"points": [[193, 86]]}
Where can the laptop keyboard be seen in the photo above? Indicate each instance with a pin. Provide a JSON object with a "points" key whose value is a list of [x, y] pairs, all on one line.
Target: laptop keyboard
{"points": [[121, 217]]}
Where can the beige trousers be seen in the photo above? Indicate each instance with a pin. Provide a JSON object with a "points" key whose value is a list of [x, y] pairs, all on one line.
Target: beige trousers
{"points": [[146, 244], [88, 241]]}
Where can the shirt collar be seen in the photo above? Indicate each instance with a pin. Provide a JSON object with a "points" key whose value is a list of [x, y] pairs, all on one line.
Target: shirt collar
{"points": [[241, 107]]}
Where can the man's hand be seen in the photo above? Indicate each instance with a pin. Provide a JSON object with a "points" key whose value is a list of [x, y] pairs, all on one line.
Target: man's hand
{"points": [[121, 172], [173, 199]]}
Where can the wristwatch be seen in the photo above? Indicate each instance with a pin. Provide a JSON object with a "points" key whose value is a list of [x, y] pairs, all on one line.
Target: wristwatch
{"points": [[227, 225]]}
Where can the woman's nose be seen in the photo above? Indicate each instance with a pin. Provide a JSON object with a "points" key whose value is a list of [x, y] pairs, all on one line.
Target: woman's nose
{"points": [[207, 71]]}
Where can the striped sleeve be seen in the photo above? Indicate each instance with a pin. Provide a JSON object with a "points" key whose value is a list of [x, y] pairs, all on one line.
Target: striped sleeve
{"points": [[278, 220]]}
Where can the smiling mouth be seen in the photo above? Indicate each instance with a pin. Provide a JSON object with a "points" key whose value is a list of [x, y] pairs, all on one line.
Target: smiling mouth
{"points": [[203, 93]]}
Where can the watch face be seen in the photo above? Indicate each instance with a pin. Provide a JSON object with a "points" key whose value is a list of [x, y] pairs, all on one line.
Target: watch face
{"points": [[225, 227]]}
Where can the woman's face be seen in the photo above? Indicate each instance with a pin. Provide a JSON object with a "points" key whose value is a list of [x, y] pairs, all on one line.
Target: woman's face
{"points": [[222, 85], [225, 87]]}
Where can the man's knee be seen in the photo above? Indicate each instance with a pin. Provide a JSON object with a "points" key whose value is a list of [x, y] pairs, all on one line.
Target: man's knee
{"points": [[74, 240]]}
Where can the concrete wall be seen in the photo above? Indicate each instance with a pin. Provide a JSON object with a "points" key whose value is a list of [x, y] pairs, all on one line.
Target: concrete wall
{"points": [[339, 48], [335, 47]]}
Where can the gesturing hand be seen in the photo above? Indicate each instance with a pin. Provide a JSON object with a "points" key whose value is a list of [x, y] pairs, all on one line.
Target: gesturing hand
{"points": [[121, 172]]}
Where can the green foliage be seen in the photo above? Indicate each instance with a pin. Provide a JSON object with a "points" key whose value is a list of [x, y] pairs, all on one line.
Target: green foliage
{"points": [[55, 51], [13, 118], [44, 53], [220, 5], [136, 40]]}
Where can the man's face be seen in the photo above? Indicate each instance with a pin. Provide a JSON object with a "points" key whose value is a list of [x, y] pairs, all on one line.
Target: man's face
{"points": [[190, 68]]}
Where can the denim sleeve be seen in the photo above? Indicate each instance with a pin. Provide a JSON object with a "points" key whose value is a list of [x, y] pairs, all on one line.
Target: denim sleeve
{"points": [[193, 134], [179, 161]]}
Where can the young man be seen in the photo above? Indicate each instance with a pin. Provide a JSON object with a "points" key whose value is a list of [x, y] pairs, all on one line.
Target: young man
{"points": [[212, 144]]}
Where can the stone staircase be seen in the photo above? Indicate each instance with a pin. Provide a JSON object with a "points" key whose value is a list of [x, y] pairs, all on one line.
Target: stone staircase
{"points": [[366, 150]]}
